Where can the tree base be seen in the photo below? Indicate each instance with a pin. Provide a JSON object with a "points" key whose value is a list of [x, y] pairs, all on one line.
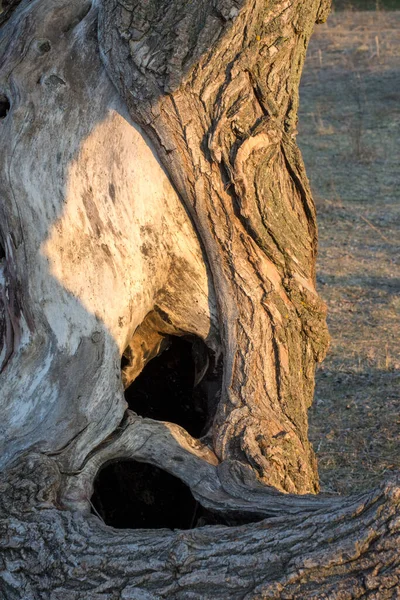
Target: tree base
{"points": [[336, 548]]}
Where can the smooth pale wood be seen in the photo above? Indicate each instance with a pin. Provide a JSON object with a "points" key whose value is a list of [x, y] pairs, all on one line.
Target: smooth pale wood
{"points": [[95, 237], [101, 256]]}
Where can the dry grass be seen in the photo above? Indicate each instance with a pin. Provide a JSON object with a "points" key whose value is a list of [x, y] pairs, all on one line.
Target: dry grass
{"points": [[349, 134], [376, 5]]}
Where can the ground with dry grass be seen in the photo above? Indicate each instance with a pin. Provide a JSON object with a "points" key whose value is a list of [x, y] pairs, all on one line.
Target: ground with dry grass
{"points": [[349, 134]]}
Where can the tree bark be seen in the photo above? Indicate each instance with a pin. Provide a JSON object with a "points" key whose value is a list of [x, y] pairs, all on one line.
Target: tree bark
{"points": [[344, 549], [151, 187], [216, 88]]}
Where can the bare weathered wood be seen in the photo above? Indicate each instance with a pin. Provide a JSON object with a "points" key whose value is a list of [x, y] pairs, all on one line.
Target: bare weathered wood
{"points": [[6, 9], [95, 239], [338, 552], [99, 258], [215, 84]]}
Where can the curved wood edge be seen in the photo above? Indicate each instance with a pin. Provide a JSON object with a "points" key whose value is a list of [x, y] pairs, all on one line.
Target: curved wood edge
{"points": [[345, 549]]}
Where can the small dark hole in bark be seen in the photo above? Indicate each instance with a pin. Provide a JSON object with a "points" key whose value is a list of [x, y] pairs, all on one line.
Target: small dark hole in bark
{"points": [[133, 495], [2, 252], [43, 46], [165, 390], [4, 106], [54, 81]]}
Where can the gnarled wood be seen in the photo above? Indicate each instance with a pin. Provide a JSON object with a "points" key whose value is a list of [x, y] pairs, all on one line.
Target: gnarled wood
{"points": [[95, 238], [215, 85], [99, 259], [340, 552]]}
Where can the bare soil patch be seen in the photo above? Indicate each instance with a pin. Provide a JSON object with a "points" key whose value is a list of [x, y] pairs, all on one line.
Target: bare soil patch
{"points": [[349, 132]]}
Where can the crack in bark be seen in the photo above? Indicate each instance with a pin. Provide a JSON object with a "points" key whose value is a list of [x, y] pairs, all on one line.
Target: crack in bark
{"points": [[201, 102], [329, 547]]}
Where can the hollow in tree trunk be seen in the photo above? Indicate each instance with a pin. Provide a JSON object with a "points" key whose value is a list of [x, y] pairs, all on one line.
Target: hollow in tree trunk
{"points": [[155, 210]]}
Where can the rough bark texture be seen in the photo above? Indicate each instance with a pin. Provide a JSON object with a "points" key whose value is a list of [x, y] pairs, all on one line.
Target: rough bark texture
{"points": [[346, 549], [215, 85], [99, 259]]}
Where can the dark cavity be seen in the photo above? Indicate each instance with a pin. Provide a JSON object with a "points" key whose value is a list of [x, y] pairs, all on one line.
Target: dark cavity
{"points": [[133, 495], [4, 106], [166, 391]]}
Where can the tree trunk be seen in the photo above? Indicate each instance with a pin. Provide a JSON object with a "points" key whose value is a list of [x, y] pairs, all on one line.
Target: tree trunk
{"points": [[152, 189], [216, 88]]}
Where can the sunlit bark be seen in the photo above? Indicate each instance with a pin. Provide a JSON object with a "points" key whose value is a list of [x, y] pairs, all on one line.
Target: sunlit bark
{"points": [[151, 187]]}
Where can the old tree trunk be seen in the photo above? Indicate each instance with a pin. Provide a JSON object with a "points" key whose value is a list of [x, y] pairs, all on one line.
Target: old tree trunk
{"points": [[153, 197]]}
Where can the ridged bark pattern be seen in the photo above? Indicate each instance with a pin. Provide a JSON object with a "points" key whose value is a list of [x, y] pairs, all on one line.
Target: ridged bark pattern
{"points": [[215, 85]]}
